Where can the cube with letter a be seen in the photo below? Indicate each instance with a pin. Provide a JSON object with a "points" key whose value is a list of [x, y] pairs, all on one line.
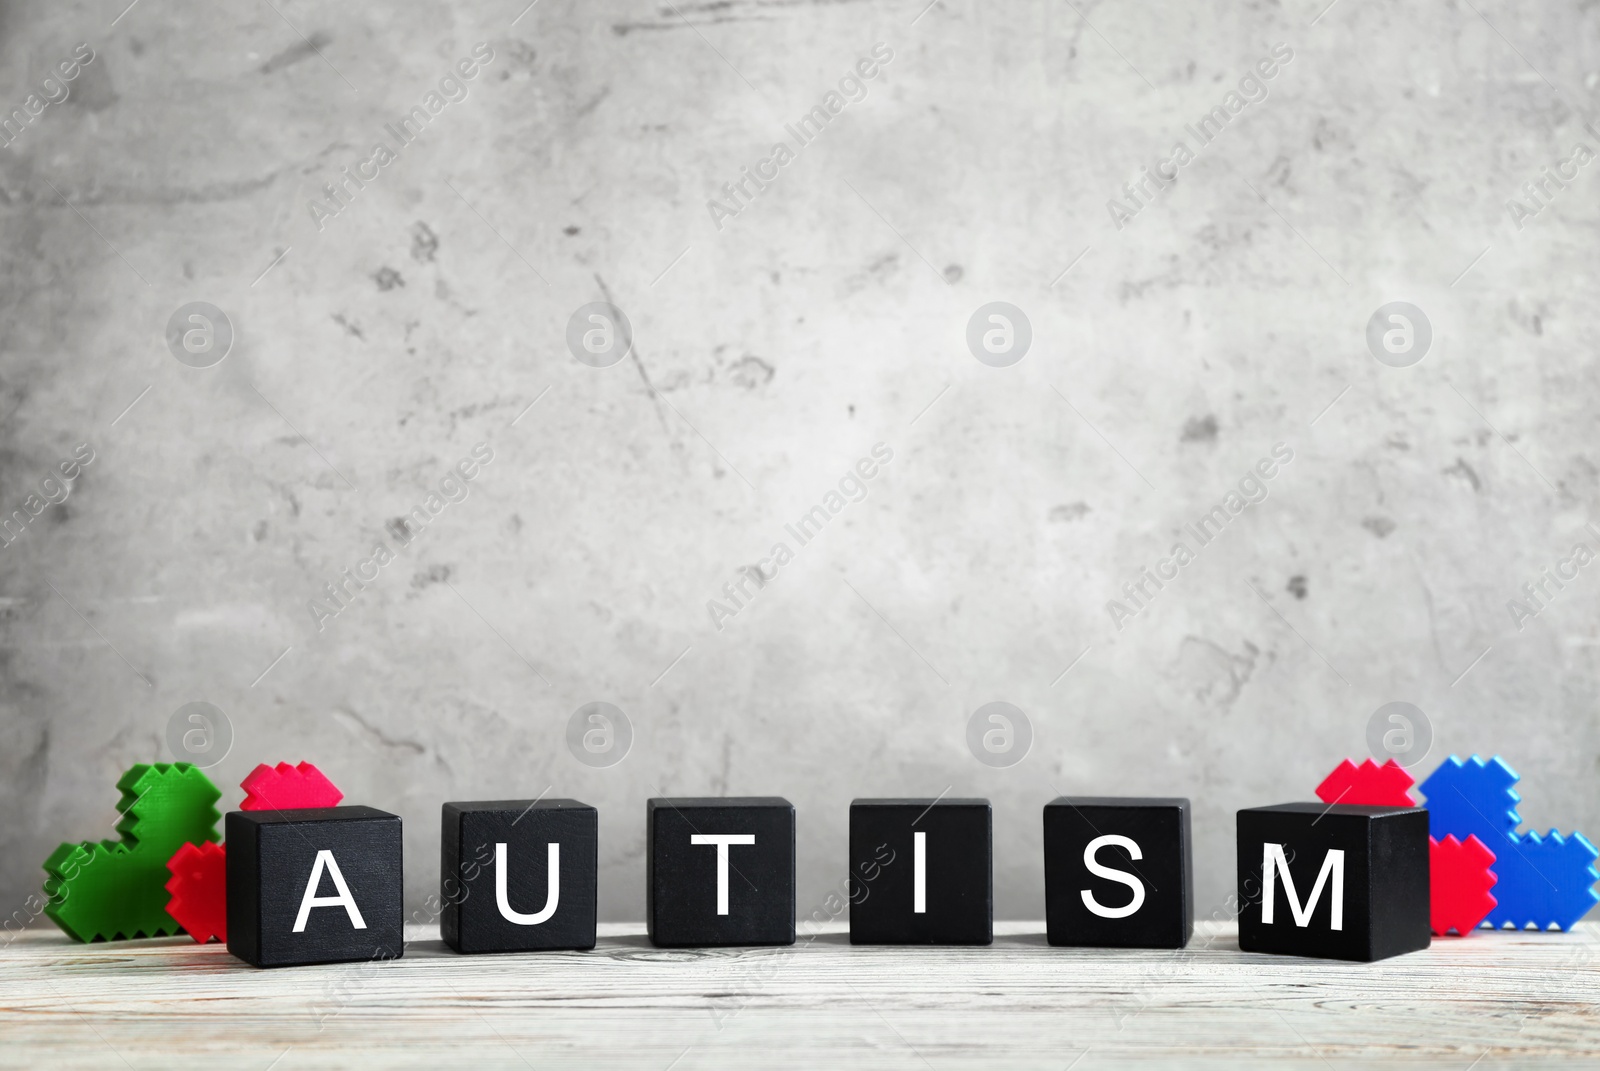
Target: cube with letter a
{"points": [[319, 885], [518, 875], [921, 872], [1336, 882], [1118, 872], [719, 871]]}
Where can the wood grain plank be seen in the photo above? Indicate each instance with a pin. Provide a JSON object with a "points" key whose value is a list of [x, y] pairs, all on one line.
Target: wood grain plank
{"points": [[1500, 999]]}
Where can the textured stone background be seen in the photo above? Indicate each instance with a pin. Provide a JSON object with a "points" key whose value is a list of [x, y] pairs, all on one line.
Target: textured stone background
{"points": [[828, 316]]}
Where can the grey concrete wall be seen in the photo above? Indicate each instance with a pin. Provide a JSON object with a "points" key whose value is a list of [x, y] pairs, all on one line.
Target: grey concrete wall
{"points": [[1198, 326]]}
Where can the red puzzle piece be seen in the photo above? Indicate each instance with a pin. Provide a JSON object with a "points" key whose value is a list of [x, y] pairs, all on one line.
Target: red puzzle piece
{"points": [[198, 871], [1458, 871], [1460, 879], [199, 883], [1368, 784]]}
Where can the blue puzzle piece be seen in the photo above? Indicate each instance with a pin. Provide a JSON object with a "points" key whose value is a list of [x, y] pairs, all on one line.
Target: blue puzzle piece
{"points": [[1558, 890], [1544, 881], [1472, 797]]}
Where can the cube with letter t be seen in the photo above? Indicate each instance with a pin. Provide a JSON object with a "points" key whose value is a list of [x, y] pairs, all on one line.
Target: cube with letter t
{"points": [[1334, 881], [1118, 872], [719, 871], [921, 872], [518, 875], [320, 885]]}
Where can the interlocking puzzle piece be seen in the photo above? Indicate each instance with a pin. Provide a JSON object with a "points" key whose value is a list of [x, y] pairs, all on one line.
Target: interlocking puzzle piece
{"points": [[199, 889], [1559, 875], [1368, 784], [1459, 874], [1460, 880], [1544, 881], [107, 890], [1471, 796], [199, 884], [285, 788]]}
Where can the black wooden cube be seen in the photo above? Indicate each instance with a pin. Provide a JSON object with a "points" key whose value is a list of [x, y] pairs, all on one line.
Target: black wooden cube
{"points": [[921, 872], [320, 885], [1118, 872], [518, 875], [1333, 881], [719, 871]]}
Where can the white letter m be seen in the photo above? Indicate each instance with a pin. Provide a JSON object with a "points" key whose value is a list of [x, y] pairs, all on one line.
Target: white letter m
{"points": [[1273, 862]]}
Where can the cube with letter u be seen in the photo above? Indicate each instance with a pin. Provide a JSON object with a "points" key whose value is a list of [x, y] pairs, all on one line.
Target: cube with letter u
{"points": [[320, 885], [1337, 882], [518, 875]]}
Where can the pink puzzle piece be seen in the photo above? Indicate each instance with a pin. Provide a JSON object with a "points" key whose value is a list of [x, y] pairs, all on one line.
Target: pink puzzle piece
{"points": [[286, 788]]}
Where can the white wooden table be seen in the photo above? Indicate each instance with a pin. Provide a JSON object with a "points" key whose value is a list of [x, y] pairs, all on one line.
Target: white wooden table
{"points": [[1491, 1000]]}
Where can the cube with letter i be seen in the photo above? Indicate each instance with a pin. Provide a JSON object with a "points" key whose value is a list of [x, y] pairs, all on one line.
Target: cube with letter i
{"points": [[921, 872], [518, 875], [719, 871], [1118, 872], [319, 885], [1333, 881]]}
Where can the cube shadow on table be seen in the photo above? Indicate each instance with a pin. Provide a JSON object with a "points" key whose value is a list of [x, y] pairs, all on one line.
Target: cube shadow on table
{"points": [[921, 872], [319, 885], [1333, 881], [518, 875], [1118, 872], [719, 871]]}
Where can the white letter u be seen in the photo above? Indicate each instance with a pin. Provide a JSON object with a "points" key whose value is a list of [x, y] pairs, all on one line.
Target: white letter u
{"points": [[503, 902]]}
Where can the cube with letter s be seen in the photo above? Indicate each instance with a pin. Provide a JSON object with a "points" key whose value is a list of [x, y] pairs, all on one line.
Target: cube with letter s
{"points": [[1118, 872]]}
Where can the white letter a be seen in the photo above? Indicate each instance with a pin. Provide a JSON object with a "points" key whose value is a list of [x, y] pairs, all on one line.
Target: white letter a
{"points": [[311, 899]]}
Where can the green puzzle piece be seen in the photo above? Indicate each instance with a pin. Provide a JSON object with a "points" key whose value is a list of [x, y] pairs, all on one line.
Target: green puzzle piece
{"points": [[106, 890]]}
